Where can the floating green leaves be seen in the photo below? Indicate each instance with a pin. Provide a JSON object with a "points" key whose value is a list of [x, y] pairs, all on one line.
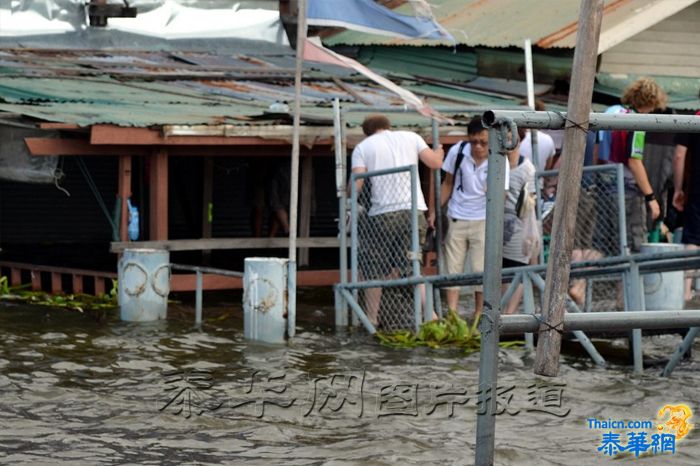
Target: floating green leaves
{"points": [[78, 302], [452, 331]]}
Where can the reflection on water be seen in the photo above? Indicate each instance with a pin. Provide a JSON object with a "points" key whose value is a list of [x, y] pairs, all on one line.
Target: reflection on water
{"points": [[74, 391]]}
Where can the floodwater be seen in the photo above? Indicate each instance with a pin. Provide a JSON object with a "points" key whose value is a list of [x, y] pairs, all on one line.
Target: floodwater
{"points": [[77, 391]]}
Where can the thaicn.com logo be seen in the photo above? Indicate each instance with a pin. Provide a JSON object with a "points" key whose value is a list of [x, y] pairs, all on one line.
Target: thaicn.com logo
{"points": [[644, 437]]}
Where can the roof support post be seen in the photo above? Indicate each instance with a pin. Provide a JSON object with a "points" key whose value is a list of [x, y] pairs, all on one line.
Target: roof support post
{"points": [[305, 208], [124, 193], [158, 212], [207, 203]]}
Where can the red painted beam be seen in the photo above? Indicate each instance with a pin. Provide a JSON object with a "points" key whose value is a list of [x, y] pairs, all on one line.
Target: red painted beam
{"points": [[15, 276], [109, 134], [158, 211], [52, 125], [18, 266], [47, 146], [124, 189], [73, 147], [56, 284], [36, 280], [186, 282], [244, 147], [99, 286], [77, 283]]}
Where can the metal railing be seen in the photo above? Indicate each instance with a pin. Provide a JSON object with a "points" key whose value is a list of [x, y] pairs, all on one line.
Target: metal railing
{"points": [[384, 246], [199, 294]]}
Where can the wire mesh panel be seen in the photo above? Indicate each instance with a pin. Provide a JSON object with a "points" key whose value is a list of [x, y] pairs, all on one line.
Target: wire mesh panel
{"points": [[597, 232], [385, 245]]}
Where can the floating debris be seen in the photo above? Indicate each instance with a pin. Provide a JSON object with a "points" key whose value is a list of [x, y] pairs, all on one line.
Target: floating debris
{"points": [[78, 301], [449, 332]]}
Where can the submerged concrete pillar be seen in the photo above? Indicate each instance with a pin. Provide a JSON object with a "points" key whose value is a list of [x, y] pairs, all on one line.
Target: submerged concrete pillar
{"points": [[265, 298], [144, 284]]}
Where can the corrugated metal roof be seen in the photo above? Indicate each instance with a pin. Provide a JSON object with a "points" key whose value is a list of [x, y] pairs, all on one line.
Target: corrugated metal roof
{"points": [[448, 64], [144, 89], [506, 23]]}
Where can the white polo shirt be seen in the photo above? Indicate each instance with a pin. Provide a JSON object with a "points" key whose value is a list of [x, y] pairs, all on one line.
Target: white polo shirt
{"points": [[546, 148], [390, 149], [468, 199]]}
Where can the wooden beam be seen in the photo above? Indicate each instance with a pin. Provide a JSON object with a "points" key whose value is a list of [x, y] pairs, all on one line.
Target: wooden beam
{"points": [[235, 135], [77, 283], [17, 267], [187, 282], [306, 193], [124, 193], [228, 243], [36, 280], [56, 283], [73, 147], [99, 286], [51, 147], [158, 211], [563, 229], [53, 125], [227, 135], [15, 276]]}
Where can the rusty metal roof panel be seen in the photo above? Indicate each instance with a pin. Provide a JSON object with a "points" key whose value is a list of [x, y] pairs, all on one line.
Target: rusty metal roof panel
{"points": [[144, 89], [133, 114]]}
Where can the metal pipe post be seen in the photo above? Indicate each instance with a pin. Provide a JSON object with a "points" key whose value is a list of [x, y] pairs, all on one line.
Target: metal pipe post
{"points": [[489, 325], [415, 246], [529, 80], [511, 289], [198, 300], [437, 190], [529, 305], [685, 345], [353, 238], [438, 204], [358, 312], [635, 301], [341, 308], [621, 214], [429, 305]]}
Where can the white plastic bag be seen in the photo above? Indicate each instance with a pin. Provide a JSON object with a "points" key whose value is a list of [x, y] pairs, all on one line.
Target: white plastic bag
{"points": [[532, 236]]}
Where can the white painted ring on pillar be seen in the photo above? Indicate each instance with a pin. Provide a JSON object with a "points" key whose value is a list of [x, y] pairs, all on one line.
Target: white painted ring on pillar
{"points": [[137, 290], [155, 278], [262, 304]]}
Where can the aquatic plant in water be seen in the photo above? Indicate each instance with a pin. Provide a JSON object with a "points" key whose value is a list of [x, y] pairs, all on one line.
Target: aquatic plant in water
{"points": [[78, 301], [451, 331]]}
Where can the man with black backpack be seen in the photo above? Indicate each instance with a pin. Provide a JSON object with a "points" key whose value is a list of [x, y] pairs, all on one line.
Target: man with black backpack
{"points": [[464, 192]]}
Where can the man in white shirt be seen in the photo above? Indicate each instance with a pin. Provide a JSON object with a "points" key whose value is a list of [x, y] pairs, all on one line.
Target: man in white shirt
{"points": [[389, 215], [546, 149], [464, 191]]}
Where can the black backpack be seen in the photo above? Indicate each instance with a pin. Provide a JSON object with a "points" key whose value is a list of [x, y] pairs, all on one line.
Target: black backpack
{"points": [[458, 160]]}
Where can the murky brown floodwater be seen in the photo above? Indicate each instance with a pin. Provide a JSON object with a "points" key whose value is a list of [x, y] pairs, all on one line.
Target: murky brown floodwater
{"points": [[74, 391]]}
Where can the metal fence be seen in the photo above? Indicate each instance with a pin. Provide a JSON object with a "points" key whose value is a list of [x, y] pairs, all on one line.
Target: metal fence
{"points": [[385, 246], [600, 231]]}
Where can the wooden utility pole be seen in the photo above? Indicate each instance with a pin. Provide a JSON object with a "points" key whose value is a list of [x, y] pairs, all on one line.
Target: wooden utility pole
{"points": [[579, 108]]}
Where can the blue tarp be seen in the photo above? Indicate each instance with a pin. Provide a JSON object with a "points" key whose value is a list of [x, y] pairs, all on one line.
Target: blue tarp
{"points": [[367, 16]]}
